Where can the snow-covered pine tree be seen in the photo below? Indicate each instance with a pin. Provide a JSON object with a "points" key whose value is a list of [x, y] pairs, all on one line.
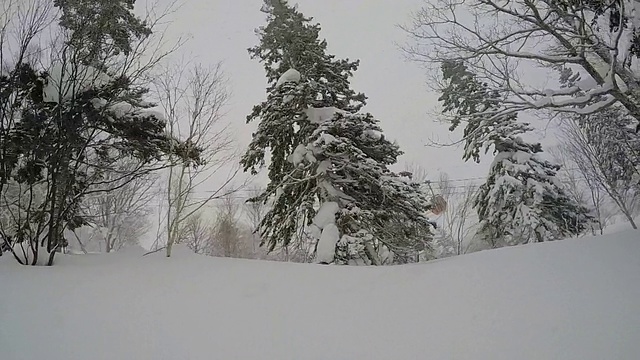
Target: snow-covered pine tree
{"points": [[329, 163], [522, 200]]}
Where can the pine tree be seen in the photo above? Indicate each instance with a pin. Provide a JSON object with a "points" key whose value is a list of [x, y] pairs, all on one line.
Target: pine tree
{"points": [[329, 162], [522, 200]]}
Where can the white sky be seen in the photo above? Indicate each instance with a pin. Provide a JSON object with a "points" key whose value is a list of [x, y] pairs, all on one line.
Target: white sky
{"points": [[355, 29]]}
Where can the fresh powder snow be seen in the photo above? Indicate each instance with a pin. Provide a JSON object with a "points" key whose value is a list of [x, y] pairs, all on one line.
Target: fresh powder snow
{"points": [[571, 299]]}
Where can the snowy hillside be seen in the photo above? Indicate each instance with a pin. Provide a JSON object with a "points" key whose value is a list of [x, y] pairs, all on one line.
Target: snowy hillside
{"points": [[574, 299]]}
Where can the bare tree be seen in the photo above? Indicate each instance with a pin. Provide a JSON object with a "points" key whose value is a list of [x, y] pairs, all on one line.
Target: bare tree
{"points": [[580, 186], [122, 213], [254, 212], [502, 41], [418, 173], [459, 220], [192, 98], [227, 235], [593, 150], [197, 234]]}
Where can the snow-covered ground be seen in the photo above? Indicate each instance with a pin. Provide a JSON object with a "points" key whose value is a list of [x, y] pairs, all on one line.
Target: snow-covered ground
{"points": [[573, 299]]}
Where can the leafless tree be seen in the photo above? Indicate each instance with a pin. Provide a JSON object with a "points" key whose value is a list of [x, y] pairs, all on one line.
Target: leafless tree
{"points": [[580, 186], [418, 173], [122, 213], [503, 41], [197, 234], [254, 212], [459, 220], [227, 234], [192, 98], [595, 161]]}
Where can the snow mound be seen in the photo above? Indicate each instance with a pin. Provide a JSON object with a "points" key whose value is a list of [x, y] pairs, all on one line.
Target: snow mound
{"points": [[572, 299]]}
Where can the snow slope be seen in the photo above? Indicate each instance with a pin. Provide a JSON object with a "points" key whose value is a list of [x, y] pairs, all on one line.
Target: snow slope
{"points": [[574, 299]]}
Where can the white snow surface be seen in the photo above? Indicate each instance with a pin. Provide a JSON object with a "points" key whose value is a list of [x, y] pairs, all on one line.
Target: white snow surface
{"points": [[571, 299], [587, 83], [291, 75]]}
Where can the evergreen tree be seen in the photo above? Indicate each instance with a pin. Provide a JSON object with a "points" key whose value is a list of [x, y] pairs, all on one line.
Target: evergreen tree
{"points": [[522, 200], [329, 162]]}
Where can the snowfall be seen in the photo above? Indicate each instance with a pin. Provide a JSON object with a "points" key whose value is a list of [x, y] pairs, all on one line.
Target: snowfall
{"points": [[571, 299]]}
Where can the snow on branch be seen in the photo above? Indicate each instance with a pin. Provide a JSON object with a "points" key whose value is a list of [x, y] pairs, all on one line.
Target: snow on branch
{"points": [[291, 75]]}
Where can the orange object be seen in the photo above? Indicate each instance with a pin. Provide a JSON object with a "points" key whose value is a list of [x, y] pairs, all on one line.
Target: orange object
{"points": [[439, 204]]}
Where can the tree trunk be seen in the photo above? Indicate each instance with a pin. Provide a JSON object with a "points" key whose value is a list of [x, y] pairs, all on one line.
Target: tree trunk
{"points": [[630, 218], [52, 254], [626, 213], [82, 247]]}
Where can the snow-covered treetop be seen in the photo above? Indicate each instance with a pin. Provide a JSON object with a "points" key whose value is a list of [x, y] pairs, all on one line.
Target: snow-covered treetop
{"points": [[102, 28], [291, 41]]}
